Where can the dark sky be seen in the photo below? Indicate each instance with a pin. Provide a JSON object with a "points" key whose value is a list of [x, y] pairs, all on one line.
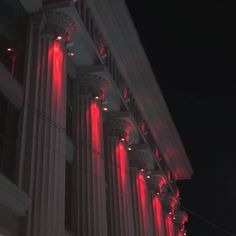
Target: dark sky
{"points": [[191, 48]]}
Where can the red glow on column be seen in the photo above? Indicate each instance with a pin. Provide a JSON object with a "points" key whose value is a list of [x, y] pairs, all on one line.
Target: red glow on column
{"points": [[96, 129], [121, 156], [180, 233], [56, 57], [158, 216], [142, 194], [127, 133], [157, 153], [170, 226], [161, 183]]}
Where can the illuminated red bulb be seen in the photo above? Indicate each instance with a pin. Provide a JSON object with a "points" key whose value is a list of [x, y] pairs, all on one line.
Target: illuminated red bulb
{"points": [[129, 148], [59, 38], [105, 109]]}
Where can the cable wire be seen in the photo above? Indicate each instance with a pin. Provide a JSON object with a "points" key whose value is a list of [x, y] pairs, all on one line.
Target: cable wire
{"points": [[208, 222]]}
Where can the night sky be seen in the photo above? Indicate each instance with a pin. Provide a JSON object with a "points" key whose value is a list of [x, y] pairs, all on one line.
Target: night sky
{"points": [[191, 49]]}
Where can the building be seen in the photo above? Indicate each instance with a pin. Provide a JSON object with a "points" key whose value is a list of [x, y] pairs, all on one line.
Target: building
{"points": [[87, 145]]}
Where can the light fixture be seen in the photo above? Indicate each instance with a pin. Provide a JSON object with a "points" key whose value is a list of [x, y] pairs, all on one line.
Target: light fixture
{"points": [[185, 234], [9, 50], [59, 38], [105, 109], [122, 139], [129, 148], [71, 54], [142, 170], [96, 98], [170, 213], [148, 176], [174, 218], [158, 193]]}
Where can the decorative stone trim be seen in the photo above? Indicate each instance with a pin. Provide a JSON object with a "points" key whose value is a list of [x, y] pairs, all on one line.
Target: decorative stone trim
{"points": [[141, 160]]}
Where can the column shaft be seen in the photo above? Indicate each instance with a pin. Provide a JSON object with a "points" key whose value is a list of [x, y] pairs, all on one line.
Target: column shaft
{"points": [[91, 185], [42, 167], [119, 189]]}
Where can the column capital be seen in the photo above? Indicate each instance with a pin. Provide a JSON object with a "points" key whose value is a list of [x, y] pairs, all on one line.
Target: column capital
{"points": [[58, 23], [181, 218], [158, 182], [93, 85], [141, 159], [170, 203], [119, 127]]}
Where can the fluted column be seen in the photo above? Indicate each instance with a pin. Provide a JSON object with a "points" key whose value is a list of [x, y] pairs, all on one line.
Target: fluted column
{"points": [[42, 161], [157, 184], [144, 221], [120, 210], [89, 162]]}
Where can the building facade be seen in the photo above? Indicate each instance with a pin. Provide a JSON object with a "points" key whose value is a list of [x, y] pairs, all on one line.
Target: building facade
{"points": [[87, 145]]}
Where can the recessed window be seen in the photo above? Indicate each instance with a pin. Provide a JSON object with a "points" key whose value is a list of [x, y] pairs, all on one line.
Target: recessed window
{"points": [[8, 137]]}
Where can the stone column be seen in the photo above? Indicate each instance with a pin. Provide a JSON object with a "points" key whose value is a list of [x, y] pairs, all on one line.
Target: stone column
{"points": [[120, 210], [140, 163], [42, 157], [157, 184], [89, 159]]}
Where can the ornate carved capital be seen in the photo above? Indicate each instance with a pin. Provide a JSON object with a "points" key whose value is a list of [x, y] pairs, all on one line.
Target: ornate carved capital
{"points": [[120, 127], [59, 23], [141, 159], [158, 182], [92, 84], [171, 203]]}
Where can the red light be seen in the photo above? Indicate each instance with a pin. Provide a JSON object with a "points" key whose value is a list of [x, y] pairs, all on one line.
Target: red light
{"points": [[158, 216], [59, 38], [56, 57]]}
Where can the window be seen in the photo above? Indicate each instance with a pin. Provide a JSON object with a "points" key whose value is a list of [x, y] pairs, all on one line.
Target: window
{"points": [[8, 137]]}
